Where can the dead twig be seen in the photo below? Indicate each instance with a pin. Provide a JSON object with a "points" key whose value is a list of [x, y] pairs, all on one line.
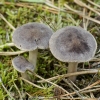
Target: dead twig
{"points": [[70, 85], [44, 7], [95, 59], [84, 5], [32, 83], [80, 14], [95, 64], [88, 87], [93, 3], [93, 71], [52, 83], [11, 26], [12, 53], [7, 45], [84, 20], [11, 97], [85, 98]]}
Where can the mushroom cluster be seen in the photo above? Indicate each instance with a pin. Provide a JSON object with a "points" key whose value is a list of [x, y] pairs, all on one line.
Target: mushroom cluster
{"points": [[72, 44], [31, 37]]}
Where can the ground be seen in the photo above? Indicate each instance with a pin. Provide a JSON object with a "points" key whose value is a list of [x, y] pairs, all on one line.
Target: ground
{"points": [[56, 14]]}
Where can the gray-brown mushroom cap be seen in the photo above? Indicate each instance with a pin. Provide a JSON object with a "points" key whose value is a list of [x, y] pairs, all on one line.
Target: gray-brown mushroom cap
{"points": [[31, 36], [73, 44], [21, 64]]}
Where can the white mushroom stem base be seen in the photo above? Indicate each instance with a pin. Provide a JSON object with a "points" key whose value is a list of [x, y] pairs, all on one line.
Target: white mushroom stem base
{"points": [[33, 57], [25, 76], [72, 67]]}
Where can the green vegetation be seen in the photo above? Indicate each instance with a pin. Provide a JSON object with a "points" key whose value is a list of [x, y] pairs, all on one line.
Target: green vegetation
{"points": [[56, 14]]}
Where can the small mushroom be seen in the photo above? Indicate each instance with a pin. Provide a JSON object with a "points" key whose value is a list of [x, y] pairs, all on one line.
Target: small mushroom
{"points": [[31, 37], [21, 65], [72, 44]]}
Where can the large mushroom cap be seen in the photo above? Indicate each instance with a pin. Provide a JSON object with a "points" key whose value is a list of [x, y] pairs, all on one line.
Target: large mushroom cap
{"points": [[21, 64], [31, 36], [73, 44]]}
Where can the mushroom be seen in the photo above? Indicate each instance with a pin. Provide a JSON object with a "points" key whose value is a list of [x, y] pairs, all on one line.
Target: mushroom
{"points": [[21, 65], [31, 37], [72, 44]]}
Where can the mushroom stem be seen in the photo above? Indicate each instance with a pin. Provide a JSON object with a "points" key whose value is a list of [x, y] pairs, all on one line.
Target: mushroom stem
{"points": [[25, 76], [33, 57], [72, 67]]}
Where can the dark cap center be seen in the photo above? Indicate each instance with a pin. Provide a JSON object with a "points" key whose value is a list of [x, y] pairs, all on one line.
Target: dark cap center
{"points": [[72, 42]]}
